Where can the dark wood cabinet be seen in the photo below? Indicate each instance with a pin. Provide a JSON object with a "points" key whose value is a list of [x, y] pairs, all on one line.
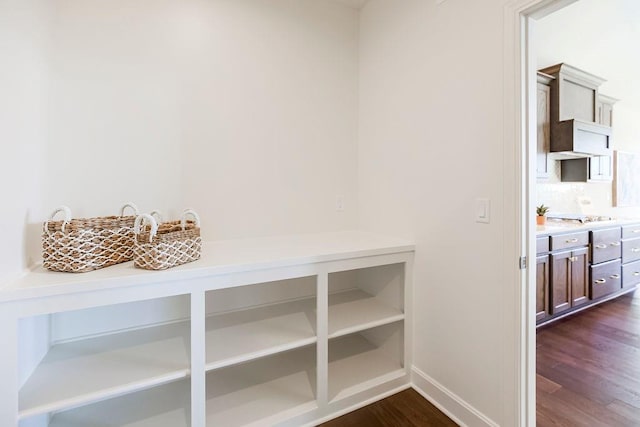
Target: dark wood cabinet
{"points": [[542, 287], [569, 279], [605, 244], [606, 278]]}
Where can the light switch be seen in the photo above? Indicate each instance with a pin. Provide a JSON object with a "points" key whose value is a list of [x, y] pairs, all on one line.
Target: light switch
{"points": [[483, 210]]}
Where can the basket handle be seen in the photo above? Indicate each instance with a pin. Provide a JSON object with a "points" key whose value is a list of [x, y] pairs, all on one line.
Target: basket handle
{"points": [[157, 214], [140, 220], [193, 214], [129, 205], [65, 221]]}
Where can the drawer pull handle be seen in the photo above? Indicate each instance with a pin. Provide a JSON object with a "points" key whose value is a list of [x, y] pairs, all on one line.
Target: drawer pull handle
{"points": [[615, 243], [635, 249], [636, 273], [601, 246], [574, 240], [573, 258], [637, 230], [615, 276], [601, 281]]}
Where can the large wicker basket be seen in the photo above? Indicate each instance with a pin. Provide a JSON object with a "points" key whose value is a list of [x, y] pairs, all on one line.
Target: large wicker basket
{"points": [[158, 247], [86, 244]]}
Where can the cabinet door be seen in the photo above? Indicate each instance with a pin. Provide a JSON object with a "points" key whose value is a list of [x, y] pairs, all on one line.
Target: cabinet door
{"points": [[579, 262], [560, 282], [543, 130], [542, 287], [600, 168]]}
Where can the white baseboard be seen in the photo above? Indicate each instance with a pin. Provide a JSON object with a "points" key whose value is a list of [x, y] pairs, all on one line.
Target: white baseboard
{"points": [[448, 402]]}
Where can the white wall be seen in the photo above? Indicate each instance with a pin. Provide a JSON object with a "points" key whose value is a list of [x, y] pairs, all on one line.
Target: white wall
{"points": [[601, 38], [23, 85], [243, 110], [431, 142]]}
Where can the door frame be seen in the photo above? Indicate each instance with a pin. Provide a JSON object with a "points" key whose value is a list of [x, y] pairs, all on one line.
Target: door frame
{"points": [[520, 142]]}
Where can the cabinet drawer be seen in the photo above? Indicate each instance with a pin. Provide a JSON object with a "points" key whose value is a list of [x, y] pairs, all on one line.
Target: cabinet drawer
{"points": [[606, 278], [630, 250], [605, 245], [630, 274], [542, 244], [631, 231], [571, 240]]}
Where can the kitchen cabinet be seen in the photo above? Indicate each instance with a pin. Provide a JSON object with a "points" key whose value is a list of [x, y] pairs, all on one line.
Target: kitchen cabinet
{"points": [[578, 269], [605, 244], [574, 93], [606, 278], [542, 278], [543, 98], [587, 169], [277, 331], [569, 279], [542, 287]]}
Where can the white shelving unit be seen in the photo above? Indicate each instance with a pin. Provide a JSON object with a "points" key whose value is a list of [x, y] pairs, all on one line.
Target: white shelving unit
{"points": [[286, 331]]}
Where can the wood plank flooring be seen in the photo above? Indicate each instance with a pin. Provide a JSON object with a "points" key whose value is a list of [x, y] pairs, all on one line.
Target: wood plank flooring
{"points": [[588, 367], [405, 409]]}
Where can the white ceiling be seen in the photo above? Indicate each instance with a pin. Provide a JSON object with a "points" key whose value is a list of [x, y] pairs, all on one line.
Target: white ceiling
{"points": [[599, 36], [356, 4]]}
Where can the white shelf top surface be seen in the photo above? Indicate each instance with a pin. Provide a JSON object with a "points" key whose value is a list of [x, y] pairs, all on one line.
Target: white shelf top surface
{"points": [[262, 392], [90, 370], [355, 365], [218, 258], [249, 334], [164, 406], [355, 310]]}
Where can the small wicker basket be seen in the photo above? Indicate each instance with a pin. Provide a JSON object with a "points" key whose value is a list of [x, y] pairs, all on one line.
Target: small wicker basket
{"points": [[158, 247], [86, 244]]}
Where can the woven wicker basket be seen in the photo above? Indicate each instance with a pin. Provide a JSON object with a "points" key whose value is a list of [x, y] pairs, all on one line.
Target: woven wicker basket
{"points": [[158, 247], [86, 244]]}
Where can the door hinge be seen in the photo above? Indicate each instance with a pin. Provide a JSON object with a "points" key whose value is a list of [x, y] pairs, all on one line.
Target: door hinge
{"points": [[523, 262]]}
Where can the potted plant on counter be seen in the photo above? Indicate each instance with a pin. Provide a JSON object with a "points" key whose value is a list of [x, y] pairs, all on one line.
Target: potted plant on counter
{"points": [[541, 211]]}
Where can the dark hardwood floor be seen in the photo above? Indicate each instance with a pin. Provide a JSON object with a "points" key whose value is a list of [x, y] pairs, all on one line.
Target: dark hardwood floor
{"points": [[405, 409], [588, 367]]}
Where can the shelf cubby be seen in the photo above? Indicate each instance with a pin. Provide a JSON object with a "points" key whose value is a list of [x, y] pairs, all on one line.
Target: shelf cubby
{"points": [[264, 328], [365, 298], [264, 391], [362, 360], [84, 370], [164, 406]]}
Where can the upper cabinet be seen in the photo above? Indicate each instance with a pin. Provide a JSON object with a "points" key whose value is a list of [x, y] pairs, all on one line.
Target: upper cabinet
{"points": [[543, 125], [575, 124]]}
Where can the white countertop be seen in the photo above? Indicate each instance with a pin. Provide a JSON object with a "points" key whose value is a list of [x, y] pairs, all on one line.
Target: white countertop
{"points": [[556, 227], [218, 257]]}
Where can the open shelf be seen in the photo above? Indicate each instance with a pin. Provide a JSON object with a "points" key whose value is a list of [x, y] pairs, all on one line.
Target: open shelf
{"points": [[263, 392], [89, 370], [249, 334], [364, 298], [164, 406], [355, 310], [361, 361]]}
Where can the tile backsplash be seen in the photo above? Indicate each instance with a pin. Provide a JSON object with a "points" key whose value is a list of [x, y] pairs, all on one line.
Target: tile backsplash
{"points": [[564, 197]]}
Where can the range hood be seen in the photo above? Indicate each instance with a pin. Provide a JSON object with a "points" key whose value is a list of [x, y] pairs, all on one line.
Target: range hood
{"points": [[576, 138]]}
